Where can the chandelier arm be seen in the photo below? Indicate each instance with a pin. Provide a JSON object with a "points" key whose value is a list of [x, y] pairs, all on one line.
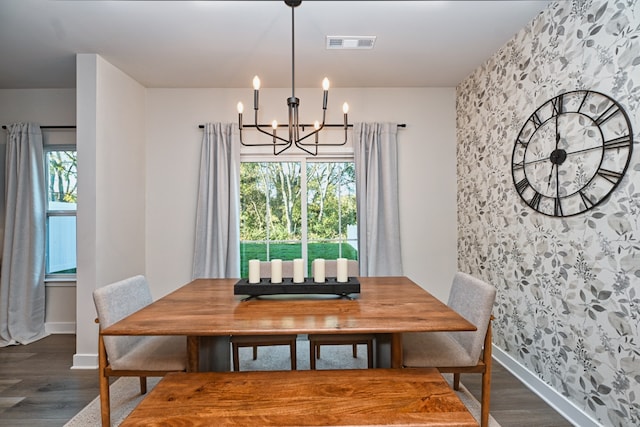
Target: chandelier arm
{"points": [[273, 135], [299, 144], [313, 153], [346, 125], [286, 147]]}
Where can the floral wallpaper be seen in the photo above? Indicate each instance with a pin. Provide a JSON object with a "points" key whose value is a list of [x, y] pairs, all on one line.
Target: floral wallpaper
{"points": [[568, 303]]}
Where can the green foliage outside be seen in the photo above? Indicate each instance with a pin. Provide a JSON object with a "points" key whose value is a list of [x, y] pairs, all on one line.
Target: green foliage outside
{"points": [[290, 251], [271, 210], [62, 177]]}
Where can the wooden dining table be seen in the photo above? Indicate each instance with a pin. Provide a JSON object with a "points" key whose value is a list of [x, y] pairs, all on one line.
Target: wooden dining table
{"points": [[207, 312]]}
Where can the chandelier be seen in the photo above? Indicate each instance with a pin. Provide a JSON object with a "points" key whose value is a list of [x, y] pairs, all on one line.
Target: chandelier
{"points": [[296, 129]]}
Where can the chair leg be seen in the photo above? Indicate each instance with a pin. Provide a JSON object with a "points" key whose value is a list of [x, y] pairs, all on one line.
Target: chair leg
{"points": [[486, 398], [255, 352], [236, 358], [317, 351], [456, 381], [370, 354], [143, 385], [293, 352], [486, 377], [105, 408], [355, 351]]}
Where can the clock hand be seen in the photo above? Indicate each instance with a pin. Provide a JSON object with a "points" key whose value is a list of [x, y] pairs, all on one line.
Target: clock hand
{"points": [[553, 165], [599, 147], [557, 132], [558, 186]]}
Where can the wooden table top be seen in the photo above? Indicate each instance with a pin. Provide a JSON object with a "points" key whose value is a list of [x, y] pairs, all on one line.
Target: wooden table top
{"points": [[374, 397], [208, 307]]}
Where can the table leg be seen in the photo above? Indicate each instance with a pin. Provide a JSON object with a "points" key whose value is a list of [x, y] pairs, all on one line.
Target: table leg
{"points": [[382, 351], [193, 354], [396, 350], [214, 354]]}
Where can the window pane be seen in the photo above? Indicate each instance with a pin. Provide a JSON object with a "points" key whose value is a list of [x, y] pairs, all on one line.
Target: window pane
{"points": [[61, 240], [271, 219], [62, 180], [331, 206]]}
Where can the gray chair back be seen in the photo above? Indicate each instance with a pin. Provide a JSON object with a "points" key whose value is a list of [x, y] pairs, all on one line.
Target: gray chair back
{"points": [[116, 301], [473, 299]]}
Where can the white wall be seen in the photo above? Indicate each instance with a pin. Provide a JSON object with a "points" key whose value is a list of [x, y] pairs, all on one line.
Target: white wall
{"points": [[47, 107], [140, 148], [111, 188], [427, 160]]}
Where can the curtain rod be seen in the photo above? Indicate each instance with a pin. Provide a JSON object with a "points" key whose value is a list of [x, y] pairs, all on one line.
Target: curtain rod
{"points": [[48, 127], [400, 125]]}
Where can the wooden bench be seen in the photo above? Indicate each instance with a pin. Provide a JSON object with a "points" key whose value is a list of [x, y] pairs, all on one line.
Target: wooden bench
{"points": [[372, 397]]}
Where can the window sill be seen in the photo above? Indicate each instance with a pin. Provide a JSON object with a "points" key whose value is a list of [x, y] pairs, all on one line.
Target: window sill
{"points": [[67, 281]]}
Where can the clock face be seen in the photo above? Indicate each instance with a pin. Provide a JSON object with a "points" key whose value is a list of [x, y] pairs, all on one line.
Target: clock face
{"points": [[571, 153]]}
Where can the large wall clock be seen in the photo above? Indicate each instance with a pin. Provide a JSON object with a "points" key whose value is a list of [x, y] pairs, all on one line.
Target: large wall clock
{"points": [[571, 153]]}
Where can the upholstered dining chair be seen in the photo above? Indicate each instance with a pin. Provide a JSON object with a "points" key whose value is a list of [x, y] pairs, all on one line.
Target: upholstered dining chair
{"points": [[256, 341], [316, 340], [459, 352], [139, 356]]}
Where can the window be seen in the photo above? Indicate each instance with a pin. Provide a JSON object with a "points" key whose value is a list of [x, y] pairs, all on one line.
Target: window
{"points": [[299, 209], [61, 189]]}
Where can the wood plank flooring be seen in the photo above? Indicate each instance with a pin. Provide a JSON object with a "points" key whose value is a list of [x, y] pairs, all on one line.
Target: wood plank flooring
{"points": [[38, 389]]}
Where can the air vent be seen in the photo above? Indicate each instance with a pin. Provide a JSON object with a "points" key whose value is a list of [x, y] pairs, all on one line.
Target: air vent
{"points": [[350, 42]]}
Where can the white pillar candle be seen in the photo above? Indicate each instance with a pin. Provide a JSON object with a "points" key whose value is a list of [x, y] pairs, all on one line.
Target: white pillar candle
{"points": [[276, 271], [298, 270], [254, 271], [342, 275], [318, 270]]}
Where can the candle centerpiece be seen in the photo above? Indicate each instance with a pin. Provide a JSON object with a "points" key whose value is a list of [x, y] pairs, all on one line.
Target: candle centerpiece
{"points": [[276, 284]]}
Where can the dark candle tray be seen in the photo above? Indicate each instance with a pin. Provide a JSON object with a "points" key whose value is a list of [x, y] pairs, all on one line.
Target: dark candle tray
{"points": [[265, 287]]}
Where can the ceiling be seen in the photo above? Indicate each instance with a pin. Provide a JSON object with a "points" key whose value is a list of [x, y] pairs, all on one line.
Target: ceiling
{"points": [[190, 44]]}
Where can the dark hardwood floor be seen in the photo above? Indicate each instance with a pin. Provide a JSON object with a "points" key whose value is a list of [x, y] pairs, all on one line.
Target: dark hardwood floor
{"points": [[38, 388], [39, 375]]}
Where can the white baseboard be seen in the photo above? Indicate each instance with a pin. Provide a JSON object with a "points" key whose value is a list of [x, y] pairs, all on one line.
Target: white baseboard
{"points": [[60, 327], [85, 361], [552, 397]]}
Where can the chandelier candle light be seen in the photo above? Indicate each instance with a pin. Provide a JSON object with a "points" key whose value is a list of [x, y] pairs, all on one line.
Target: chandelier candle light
{"points": [[296, 129]]}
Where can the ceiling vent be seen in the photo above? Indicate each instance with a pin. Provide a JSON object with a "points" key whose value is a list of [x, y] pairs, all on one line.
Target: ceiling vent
{"points": [[350, 42]]}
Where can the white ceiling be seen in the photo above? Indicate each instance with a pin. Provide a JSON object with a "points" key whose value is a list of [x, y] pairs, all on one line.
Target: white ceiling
{"points": [[225, 43]]}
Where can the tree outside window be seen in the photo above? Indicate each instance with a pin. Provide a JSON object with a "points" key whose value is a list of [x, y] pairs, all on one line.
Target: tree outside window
{"points": [[299, 209]]}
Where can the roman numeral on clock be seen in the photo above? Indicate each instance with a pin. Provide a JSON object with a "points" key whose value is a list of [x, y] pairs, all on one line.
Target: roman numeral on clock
{"points": [[558, 104], [620, 142], [587, 202], [522, 185], [557, 207], [535, 200], [610, 176], [609, 112], [535, 119]]}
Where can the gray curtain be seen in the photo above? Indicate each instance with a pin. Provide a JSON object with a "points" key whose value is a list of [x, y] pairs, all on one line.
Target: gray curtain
{"points": [[376, 162], [22, 293], [217, 240]]}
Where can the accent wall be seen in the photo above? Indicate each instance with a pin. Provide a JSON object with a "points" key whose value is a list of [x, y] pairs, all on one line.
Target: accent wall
{"points": [[568, 288]]}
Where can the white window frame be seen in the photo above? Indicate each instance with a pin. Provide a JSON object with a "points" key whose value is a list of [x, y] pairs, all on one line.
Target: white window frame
{"points": [[52, 277], [303, 159]]}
